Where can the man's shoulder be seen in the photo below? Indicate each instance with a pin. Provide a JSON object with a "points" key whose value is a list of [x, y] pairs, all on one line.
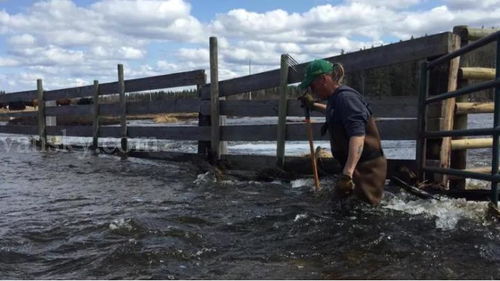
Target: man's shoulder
{"points": [[348, 93]]}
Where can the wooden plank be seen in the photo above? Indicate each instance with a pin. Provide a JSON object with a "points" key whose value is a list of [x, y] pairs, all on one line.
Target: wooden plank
{"points": [[42, 130], [132, 85], [74, 110], [459, 157], [415, 49], [95, 116], [20, 114], [215, 150], [474, 107], [477, 73], [123, 110], [298, 164], [389, 130], [471, 143], [393, 107], [109, 131], [180, 79], [155, 132], [168, 155], [448, 110], [141, 84], [22, 130], [70, 93], [282, 112], [73, 131], [19, 96], [146, 107]]}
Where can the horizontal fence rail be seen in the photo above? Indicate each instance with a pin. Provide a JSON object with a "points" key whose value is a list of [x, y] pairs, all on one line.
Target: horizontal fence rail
{"points": [[132, 85], [389, 129], [397, 107]]}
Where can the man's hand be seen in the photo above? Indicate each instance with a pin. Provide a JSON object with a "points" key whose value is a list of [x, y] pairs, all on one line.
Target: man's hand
{"points": [[307, 101], [344, 186]]}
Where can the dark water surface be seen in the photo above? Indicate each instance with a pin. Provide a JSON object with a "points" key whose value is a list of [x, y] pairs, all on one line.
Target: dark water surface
{"points": [[69, 215], [63, 215]]}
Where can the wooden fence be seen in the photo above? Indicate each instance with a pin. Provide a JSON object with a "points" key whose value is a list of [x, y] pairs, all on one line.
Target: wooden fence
{"points": [[397, 115]]}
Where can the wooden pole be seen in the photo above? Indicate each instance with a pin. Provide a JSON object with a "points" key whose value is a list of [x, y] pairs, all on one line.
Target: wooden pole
{"points": [[474, 107], [282, 112], [477, 73], [123, 111], [95, 117], [458, 158], [42, 129], [214, 102], [203, 121], [448, 110], [471, 143]]}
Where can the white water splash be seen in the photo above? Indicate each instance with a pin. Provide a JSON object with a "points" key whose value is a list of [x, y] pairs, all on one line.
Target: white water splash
{"points": [[301, 182], [205, 178], [121, 224], [300, 217], [447, 212]]}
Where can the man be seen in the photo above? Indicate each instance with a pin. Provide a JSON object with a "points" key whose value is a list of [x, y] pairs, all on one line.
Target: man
{"points": [[354, 136]]}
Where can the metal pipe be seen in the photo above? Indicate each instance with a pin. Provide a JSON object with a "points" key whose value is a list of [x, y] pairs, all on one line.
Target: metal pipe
{"points": [[421, 121], [496, 123], [472, 46], [463, 133], [464, 91]]}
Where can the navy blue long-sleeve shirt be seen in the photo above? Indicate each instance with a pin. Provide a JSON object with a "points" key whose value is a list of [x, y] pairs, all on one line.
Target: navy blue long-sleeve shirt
{"points": [[348, 107]]}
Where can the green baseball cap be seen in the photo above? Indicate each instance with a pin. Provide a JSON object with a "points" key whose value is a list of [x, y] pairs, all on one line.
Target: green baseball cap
{"points": [[315, 69]]}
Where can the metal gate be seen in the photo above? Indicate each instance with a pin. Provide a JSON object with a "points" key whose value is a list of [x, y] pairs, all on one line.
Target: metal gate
{"points": [[425, 100]]}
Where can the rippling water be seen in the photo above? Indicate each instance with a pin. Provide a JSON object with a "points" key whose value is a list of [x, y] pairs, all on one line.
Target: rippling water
{"points": [[70, 215]]}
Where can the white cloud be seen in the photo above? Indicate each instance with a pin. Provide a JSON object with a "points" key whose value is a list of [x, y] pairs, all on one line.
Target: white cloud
{"points": [[394, 4], [471, 4], [22, 40], [150, 19], [8, 62], [131, 53]]}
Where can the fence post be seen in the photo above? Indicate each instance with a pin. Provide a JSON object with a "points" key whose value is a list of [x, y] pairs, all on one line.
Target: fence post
{"points": [[448, 111], [123, 112], [42, 129], [281, 134], [203, 120], [95, 117], [215, 150], [421, 120]]}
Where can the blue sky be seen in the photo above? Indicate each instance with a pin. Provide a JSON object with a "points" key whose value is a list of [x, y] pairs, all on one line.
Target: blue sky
{"points": [[72, 42]]}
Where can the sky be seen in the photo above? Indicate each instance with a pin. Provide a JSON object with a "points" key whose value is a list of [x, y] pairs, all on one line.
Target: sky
{"points": [[70, 43]]}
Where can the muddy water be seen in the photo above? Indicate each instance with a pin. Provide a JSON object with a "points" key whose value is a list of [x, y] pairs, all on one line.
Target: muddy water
{"points": [[73, 216]]}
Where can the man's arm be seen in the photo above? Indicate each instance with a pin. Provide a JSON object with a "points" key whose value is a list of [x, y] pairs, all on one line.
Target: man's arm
{"points": [[356, 144], [321, 107]]}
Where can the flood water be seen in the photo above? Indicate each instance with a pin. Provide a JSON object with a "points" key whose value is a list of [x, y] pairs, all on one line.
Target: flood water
{"points": [[70, 215]]}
